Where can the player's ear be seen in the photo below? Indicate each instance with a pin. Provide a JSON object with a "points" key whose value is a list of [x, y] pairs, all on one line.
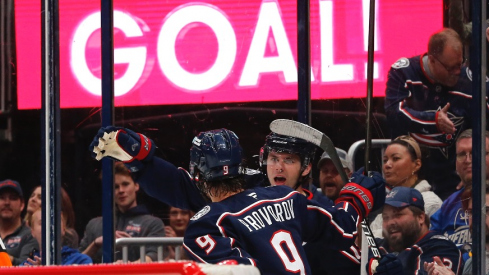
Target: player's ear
{"points": [[307, 169]]}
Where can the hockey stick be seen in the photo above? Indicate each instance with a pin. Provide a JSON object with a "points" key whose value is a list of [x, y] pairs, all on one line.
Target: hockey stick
{"points": [[299, 130]]}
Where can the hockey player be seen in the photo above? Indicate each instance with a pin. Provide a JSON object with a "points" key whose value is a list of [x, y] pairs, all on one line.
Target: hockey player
{"points": [[244, 225], [408, 239], [288, 161], [429, 98]]}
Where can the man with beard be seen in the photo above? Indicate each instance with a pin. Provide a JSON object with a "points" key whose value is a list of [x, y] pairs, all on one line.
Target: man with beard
{"points": [[329, 179], [16, 235], [407, 238]]}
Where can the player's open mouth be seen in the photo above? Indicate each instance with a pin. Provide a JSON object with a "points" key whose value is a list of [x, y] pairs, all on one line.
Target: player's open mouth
{"points": [[279, 180]]}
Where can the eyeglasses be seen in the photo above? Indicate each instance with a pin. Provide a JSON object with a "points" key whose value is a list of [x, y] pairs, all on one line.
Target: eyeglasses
{"points": [[469, 212], [452, 69], [463, 156]]}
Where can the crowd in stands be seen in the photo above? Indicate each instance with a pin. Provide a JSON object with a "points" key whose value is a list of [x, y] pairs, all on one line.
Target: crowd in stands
{"points": [[423, 227]]}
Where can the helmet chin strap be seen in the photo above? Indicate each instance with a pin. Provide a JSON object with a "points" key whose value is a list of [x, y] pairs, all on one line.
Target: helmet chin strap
{"points": [[301, 177]]}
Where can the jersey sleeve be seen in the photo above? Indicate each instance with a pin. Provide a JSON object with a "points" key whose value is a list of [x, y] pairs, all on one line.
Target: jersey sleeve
{"points": [[446, 251], [204, 243], [335, 227], [398, 95], [171, 185]]}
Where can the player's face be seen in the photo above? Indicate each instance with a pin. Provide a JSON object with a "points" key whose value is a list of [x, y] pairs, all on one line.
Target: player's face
{"points": [[284, 169], [34, 201], [179, 219], [11, 205], [330, 180], [447, 66], [125, 192], [469, 211], [398, 166], [400, 227]]}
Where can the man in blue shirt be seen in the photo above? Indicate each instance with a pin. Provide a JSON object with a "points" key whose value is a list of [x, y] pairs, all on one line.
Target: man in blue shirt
{"points": [[451, 220]]}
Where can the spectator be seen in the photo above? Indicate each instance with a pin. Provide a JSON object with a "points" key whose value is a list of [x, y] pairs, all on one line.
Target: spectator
{"points": [[70, 238], [467, 206], [33, 203], [451, 220], [429, 98], [16, 235], [178, 220], [402, 162], [216, 169], [132, 220], [407, 236], [329, 179], [435, 269], [69, 255]]}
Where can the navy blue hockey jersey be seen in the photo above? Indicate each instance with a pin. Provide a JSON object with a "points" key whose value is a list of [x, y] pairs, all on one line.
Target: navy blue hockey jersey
{"points": [[324, 260], [411, 103], [428, 246], [171, 185], [265, 227]]}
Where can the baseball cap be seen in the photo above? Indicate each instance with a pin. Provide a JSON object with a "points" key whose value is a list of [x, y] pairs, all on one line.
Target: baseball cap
{"points": [[12, 184], [404, 196], [345, 160]]}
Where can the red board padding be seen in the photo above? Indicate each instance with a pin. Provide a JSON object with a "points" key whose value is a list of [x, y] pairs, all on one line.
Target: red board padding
{"points": [[190, 268]]}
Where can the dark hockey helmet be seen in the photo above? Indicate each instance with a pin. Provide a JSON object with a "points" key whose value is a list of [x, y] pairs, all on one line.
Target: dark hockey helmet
{"points": [[287, 144], [215, 155]]}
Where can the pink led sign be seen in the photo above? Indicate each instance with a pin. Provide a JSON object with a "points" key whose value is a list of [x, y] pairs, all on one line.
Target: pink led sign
{"points": [[180, 52]]}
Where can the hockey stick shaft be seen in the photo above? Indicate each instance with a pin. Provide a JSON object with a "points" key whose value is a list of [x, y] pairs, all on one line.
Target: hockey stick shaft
{"points": [[299, 130], [370, 76]]}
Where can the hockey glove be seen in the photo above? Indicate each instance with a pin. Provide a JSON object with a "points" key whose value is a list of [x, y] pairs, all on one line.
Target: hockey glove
{"points": [[123, 145], [388, 265], [365, 193]]}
